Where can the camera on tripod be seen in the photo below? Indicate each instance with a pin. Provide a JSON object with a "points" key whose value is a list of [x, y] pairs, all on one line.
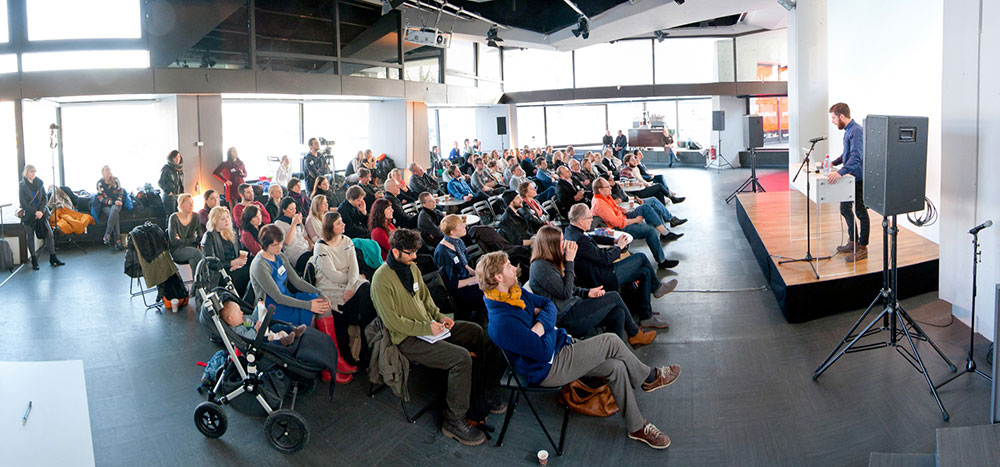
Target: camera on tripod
{"points": [[327, 152]]}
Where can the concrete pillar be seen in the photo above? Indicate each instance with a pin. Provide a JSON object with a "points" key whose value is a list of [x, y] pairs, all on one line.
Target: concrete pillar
{"points": [[807, 79], [199, 120]]}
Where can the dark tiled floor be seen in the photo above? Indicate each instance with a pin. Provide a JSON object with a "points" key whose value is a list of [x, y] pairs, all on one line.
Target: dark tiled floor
{"points": [[745, 396]]}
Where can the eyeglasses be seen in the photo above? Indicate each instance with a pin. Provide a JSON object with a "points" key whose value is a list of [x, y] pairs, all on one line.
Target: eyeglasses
{"points": [[409, 252]]}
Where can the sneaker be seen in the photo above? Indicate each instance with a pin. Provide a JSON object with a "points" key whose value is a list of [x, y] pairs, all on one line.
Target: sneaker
{"points": [[848, 248], [652, 436], [677, 199], [642, 338], [665, 288], [675, 221], [665, 376], [107, 239], [462, 431], [668, 264], [118, 245], [860, 254], [670, 236]]}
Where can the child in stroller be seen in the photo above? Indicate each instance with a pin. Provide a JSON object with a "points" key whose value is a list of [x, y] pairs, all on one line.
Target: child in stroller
{"points": [[248, 327]]}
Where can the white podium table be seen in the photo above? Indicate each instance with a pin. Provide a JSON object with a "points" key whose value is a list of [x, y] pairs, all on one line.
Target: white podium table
{"points": [[823, 192]]}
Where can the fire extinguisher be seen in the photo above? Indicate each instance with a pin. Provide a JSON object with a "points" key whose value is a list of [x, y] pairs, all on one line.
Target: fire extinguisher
{"points": [[711, 152]]}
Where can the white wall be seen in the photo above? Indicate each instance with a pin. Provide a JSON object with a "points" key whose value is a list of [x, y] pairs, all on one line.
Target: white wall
{"points": [[387, 129], [807, 79], [486, 127], [732, 136], [885, 58]]}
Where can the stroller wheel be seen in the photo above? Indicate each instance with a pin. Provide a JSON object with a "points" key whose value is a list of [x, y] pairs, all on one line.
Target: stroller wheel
{"points": [[286, 430], [210, 419]]}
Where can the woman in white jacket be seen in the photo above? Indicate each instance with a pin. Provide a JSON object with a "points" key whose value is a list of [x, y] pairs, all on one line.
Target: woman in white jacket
{"points": [[338, 277]]}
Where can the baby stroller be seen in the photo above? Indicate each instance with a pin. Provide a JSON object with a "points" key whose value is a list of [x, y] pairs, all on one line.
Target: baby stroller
{"points": [[257, 378]]}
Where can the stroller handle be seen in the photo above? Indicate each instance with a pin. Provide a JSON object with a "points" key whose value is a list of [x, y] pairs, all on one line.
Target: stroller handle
{"points": [[264, 326]]}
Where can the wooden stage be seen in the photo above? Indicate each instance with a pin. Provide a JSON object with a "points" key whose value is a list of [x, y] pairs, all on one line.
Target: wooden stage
{"points": [[775, 225]]}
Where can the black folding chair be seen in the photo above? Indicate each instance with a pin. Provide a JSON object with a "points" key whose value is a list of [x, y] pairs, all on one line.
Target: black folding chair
{"points": [[374, 389], [513, 382]]}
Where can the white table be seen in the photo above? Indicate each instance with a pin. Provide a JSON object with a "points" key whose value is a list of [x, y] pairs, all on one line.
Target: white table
{"points": [[471, 219], [616, 234], [823, 192], [633, 187]]}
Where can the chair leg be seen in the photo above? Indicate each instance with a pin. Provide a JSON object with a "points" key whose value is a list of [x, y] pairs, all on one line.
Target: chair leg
{"points": [[419, 414], [540, 423], [511, 404], [562, 431]]}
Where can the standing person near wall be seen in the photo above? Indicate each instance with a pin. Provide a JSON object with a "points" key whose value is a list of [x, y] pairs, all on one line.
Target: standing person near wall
{"points": [[852, 159], [172, 181], [35, 218], [231, 173]]}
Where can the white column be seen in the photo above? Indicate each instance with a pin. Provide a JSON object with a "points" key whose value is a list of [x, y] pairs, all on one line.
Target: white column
{"points": [[807, 78]]}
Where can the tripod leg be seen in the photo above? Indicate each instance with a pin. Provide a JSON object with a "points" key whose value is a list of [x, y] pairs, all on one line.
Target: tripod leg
{"points": [[920, 332], [923, 369], [848, 335], [858, 337]]}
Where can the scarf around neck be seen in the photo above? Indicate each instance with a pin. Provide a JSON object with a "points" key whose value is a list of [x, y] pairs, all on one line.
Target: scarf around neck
{"points": [[403, 271], [512, 297]]}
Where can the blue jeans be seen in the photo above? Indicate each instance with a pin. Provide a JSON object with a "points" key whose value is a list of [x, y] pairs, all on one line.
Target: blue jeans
{"points": [[653, 212], [608, 310], [671, 157], [648, 232], [657, 179], [546, 195], [638, 268]]}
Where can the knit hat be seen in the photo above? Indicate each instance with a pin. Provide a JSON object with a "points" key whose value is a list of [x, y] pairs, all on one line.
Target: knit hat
{"points": [[508, 196]]}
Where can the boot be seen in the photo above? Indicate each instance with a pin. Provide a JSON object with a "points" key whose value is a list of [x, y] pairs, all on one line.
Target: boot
{"points": [[54, 262], [325, 325], [34, 262], [859, 254], [848, 248]]}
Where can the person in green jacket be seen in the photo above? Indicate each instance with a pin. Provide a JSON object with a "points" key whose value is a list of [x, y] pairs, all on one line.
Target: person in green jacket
{"points": [[403, 302]]}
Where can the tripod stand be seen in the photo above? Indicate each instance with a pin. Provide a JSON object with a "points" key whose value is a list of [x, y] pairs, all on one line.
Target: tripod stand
{"points": [[751, 183], [894, 319], [970, 363], [809, 257], [720, 158]]}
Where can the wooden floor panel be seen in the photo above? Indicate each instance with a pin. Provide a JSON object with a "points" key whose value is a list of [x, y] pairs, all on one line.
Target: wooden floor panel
{"points": [[780, 221]]}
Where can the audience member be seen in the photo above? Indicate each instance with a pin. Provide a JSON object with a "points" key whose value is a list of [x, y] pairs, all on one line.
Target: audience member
{"points": [[632, 222], [314, 221], [552, 276], [211, 199], [598, 267], [273, 205], [528, 165], [322, 187], [314, 165], [631, 174], [284, 172], [543, 176], [297, 245], [185, 230], [421, 181], [34, 202], [582, 178], [111, 198], [512, 226], [354, 212], [247, 327], [400, 217], [621, 144], [525, 326], [429, 220], [568, 193], [300, 198], [655, 179], [380, 224], [611, 163], [404, 304], [231, 173], [458, 188], [607, 140], [251, 221], [516, 177], [365, 182], [271, 274], [247, 199], [219, 242], [530, 210], [172, 181], [452, 260], [405, 195]]}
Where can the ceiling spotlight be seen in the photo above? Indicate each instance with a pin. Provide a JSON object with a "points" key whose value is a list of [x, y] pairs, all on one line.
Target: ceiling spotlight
{"points": [[491, 37], [788, 4], [660, 35], [582, 28]]}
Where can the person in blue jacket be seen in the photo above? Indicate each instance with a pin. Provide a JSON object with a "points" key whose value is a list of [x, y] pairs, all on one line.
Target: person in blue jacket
{"points": [[523, 325], [852, 159]]}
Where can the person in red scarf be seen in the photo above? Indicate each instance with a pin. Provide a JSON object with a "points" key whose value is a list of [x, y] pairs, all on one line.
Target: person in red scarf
{"points": [[231, 173]]}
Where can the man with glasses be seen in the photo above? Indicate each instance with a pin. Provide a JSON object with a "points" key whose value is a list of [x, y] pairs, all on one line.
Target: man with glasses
{"points": [[634, 222], [408, 312]]}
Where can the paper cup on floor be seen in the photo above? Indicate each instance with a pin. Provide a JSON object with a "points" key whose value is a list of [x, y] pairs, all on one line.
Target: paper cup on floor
{"points": [[543, 457]]}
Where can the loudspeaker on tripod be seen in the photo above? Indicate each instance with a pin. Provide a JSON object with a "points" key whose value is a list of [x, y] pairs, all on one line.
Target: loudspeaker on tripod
{"points": [[895, 163], [501, 125], [718, 120], [753, 131]]}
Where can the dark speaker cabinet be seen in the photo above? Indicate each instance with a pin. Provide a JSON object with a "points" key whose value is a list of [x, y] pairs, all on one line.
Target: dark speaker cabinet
{"points": [[753, 131], [895, 163]]}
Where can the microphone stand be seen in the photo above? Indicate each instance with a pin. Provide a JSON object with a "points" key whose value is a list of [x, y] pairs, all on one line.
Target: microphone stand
{"points": [[809, 258], [970, 363]]}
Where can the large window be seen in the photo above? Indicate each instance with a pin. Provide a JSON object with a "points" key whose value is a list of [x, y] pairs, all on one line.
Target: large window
{"points": [[36, 118], [534, 69], [575, 124], [76, 19], [122, 135], [775, 113], [489, 63], [460, 59], [8, 155], [8, 63], [531, 126], [4, 33], [346, 123], [84, 60], [762, 56], [695, 121], [665, 109], [426, 70], [686, 61], [602, 64], [457, 124], [262, 130], [621, 116]]}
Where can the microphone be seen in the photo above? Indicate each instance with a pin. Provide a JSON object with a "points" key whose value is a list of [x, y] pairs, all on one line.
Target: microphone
{"points": [[979, 227], [817, 139], [53, 127]]}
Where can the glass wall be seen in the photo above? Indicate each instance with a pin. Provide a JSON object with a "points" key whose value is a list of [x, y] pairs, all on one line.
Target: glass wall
{"points": [[489, 63], [425, 70], [121, 135], [36, 118], [775, 113], [687, 61], [8, 155], [456, 124], [531, 126], [346, 123], [621, 116], [623, 63], [74, 19], [534, 69], [762, 56], [460, 60], [694, 121], [261, 132], [575, 124]]}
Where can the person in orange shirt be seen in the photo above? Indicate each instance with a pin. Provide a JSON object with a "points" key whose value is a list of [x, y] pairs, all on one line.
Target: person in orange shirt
{"points": [[633, 222]]}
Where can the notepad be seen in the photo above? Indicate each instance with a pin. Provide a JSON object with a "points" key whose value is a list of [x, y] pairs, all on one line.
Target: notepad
{"points": [[430, 339]]}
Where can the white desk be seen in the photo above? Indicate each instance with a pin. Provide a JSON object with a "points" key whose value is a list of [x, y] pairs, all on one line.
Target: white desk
{"points": [[823, 192]]}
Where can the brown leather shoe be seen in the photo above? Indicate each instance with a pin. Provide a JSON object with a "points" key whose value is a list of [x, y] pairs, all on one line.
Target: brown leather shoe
{"points": [[849, 248], [642, 338], [859, 254], [665, 376], [652, 436]]}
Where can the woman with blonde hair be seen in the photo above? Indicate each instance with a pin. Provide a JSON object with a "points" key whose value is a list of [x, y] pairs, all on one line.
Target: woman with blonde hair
{"points": [[552, 276], [185, 231], [220, 242], [284, 173], [452, 260], [314, 222]]}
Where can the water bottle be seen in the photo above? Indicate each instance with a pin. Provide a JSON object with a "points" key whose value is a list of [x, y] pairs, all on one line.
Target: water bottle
{"points": [[826, 166]]}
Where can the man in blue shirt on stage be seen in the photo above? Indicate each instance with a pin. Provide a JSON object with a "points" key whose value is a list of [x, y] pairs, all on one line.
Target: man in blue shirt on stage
{"points": [[840, 115]]}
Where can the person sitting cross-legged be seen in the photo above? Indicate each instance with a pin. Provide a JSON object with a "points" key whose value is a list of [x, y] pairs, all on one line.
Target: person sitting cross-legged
{"points": [[553, 275], [598, 267], [404, 304], [633, 222], [524, 325], [657, 179]]}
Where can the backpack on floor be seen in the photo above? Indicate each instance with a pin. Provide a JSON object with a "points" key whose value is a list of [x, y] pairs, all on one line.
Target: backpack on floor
{"points": [[6, 255]]}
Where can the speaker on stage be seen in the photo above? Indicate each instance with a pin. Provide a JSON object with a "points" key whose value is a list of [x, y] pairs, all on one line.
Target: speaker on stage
{"points": [[895, 163], [753, 131], [501, 125], [718, 120]]}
